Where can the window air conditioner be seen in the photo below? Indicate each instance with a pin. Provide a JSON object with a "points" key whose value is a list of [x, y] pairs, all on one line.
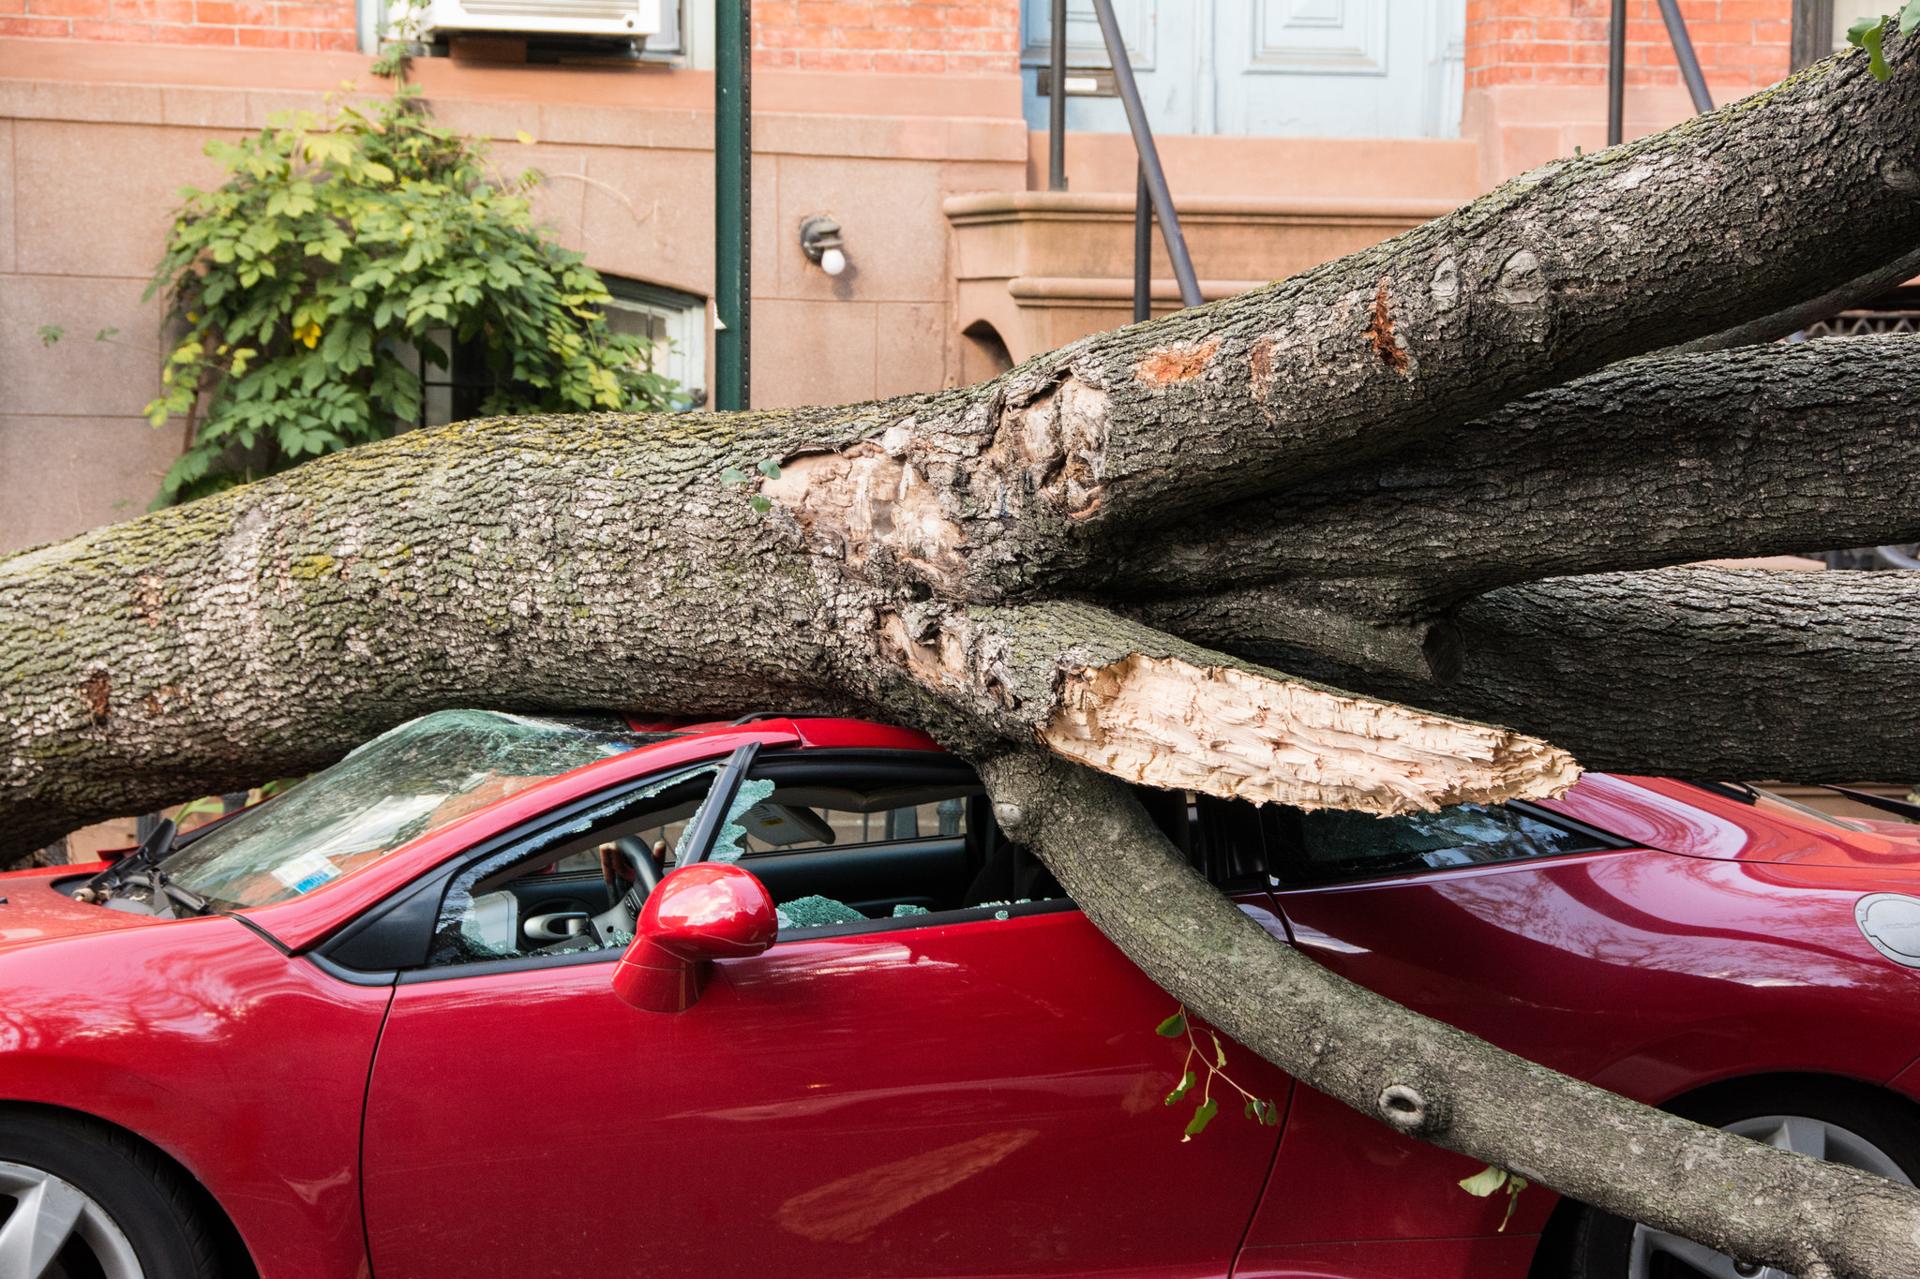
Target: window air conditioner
{"points": [[625, 18]]}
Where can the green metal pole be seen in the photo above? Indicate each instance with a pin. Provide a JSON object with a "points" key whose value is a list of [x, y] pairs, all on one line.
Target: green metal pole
{"points": [[732, 200]]}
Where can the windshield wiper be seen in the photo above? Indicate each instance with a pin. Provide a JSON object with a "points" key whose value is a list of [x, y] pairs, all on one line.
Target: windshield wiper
{"points": [[141, 869]]}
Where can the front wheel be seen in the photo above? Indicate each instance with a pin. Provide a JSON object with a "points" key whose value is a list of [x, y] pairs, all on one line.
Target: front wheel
{"points": [[1870, 1133], [81, 1201]]}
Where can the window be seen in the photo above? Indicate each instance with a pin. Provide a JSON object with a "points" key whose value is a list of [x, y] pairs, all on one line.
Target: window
{"points": [[853, 842], [675, 323], [843, 842], [1329, 846], [1820, 26], [570, 889], [455, 380], [404, 784]]}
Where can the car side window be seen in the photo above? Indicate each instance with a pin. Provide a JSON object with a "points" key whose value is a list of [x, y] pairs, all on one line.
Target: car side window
{"points": [[568, 889], [850, 843], [1332, 846]]}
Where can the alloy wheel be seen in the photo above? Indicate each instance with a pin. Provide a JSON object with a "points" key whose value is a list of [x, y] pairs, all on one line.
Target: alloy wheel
{"points": [[1658, 1255], [51, 1229]]}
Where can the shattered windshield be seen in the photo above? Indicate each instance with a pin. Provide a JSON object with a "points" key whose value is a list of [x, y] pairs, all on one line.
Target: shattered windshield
{"points": [[401, 785]]}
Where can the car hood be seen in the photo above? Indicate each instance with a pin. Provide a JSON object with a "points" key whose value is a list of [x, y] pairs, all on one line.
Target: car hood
{"points": [[33, 911], [1675, 817]]}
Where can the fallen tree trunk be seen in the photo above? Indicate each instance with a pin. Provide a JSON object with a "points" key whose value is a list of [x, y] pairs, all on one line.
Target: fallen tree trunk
{"points": [[1759, 451], [1060, 559]]}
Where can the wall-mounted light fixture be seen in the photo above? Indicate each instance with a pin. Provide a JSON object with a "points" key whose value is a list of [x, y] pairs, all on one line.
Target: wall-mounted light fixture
{"points": [[820, 241]]}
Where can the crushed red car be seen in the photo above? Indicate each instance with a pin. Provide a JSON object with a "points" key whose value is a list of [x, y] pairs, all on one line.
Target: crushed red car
{"points": [[508, 997]]}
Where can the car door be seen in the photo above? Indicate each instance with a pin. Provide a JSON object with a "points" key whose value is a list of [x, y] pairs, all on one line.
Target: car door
{"points": [[1483, 917], [973, 1090]]}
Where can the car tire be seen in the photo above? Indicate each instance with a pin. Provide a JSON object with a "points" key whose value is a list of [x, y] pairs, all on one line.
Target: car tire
{"points": [[138, 1206], [1602, 1246]]}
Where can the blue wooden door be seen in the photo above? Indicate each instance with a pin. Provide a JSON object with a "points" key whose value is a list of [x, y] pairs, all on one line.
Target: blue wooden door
{"points": [[1316, 68]]}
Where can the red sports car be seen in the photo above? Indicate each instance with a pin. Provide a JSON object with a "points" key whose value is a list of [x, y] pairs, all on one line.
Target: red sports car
{"points": [[503, 997]]}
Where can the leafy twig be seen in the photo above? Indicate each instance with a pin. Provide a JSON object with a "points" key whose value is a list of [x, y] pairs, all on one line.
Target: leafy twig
{"points": [[1259, 1109]]}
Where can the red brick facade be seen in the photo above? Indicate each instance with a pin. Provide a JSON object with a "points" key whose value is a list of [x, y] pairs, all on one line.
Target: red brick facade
{"points": [[963, 36], [1508, 41], [1565, 41], [932, 36], [258, 24]]}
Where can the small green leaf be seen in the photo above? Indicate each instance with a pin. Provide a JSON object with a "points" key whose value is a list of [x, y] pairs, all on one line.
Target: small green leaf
{"points": [[733, 476], [1219, 1053], [1871, 34], [1201, 1118], [1180, 1090], [760, 504], [1484, 1182], [770, 469], [106, 335], [51, 333], [1173, 1027], [1272, 1118], [1909, 17]]}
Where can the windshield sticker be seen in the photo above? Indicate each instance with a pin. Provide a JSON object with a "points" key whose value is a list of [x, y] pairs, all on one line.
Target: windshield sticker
{"points": [[306, 872]]}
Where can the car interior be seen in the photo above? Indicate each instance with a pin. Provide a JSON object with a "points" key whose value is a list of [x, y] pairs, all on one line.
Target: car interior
{"points": [[836, 842]]}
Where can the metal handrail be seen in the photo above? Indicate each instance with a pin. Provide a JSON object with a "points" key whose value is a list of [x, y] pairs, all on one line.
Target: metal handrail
{"points": [[1617, 65], [1152, 199]]}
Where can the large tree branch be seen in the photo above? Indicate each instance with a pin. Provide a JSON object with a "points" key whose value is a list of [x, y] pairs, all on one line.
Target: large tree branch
{"points": [[1429, 1079], [1698, 672], [1658, 461], [1143, 705], [1758, 206]]}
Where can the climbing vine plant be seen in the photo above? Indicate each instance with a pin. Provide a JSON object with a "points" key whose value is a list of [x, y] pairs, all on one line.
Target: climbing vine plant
{"points": [[346, 251]]}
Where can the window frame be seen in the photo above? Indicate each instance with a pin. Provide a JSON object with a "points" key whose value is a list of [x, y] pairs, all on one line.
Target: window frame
{"points": [[393, 941], [684, 316], [380, 948], [1812, 28]]}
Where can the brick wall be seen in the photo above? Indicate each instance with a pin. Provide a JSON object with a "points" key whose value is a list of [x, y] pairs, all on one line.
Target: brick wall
{"points": [[260, 24], [964, 36], [1739, 42]]}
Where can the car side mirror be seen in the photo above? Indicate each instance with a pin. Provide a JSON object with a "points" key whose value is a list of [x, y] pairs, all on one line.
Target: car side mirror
{"points": [[699, 913]]}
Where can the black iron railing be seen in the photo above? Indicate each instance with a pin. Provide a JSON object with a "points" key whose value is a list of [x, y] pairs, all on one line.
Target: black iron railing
{"points": [[1617, 65], [1151, 198]]}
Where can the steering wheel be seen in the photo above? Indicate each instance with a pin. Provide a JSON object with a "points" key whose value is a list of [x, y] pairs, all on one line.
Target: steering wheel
{"points": [[619, 921]]}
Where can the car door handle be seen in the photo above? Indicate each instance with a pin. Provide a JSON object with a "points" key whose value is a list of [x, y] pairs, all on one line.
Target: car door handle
{"points": [[557, 925]]}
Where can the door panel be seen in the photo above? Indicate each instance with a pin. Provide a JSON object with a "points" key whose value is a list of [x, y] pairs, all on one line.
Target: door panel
{"points": [[971, 1098], [1316, 68], [1644, 972]]}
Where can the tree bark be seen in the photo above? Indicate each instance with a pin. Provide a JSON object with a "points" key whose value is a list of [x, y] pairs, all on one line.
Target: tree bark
{"points": [[1736, 673], [1665, 460]]}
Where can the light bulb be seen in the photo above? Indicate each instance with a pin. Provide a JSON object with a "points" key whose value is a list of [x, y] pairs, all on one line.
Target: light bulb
{"points": [[833, 261]]}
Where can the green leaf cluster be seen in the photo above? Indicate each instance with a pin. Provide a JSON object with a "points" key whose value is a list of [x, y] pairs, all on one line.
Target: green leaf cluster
{"points": [[345, 248], [1259, 1109], [1871, 34]]}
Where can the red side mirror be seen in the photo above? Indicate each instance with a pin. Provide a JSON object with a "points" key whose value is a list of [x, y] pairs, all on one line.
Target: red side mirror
{"points": [[699, 913]]}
